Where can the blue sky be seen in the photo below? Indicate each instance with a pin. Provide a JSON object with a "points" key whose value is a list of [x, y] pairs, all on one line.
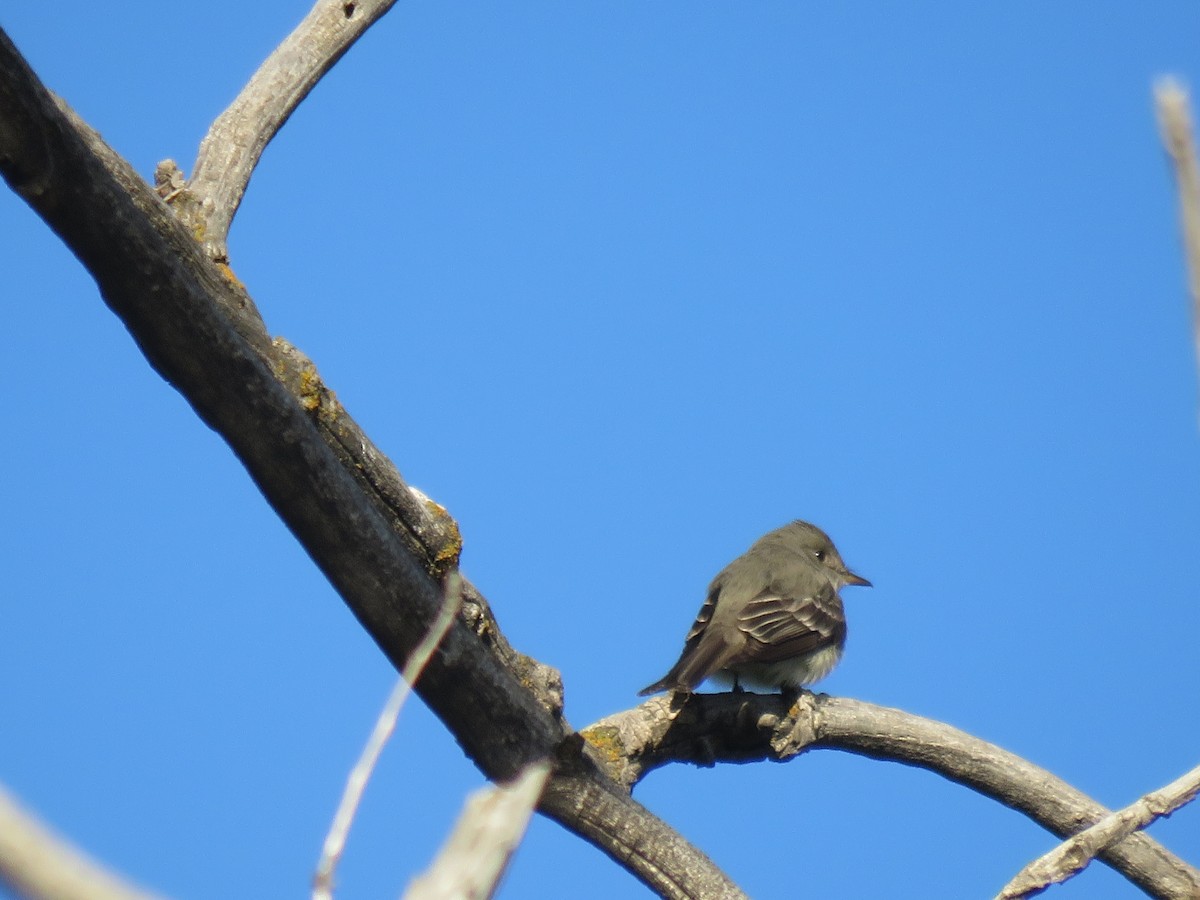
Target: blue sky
{"points": [[625, 286]]}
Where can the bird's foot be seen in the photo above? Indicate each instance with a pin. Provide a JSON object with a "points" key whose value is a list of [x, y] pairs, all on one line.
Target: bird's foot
{"points": [[790, 694]]}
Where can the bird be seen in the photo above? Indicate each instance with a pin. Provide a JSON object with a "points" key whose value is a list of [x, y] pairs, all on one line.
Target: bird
{"points": [[772, 617]]}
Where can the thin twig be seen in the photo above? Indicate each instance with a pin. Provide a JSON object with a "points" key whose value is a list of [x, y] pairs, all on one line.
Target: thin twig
{"points": [[1073, 855], [1175, 122], [36, 863], [335, 840], [474, 857]]}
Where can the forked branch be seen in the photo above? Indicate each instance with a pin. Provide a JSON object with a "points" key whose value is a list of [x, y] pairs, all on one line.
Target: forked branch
{"points": [[382, 546], [236, 140]]}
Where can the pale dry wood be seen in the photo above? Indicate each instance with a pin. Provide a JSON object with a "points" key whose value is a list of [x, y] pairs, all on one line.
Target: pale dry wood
{"points": [[1073, 855], [40, 865], [708, 728], [475, 856], [385, 725], [236, 140], [1175, 122]]}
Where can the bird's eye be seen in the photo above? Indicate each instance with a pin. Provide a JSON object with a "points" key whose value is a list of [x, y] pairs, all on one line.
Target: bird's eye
{"points": [[820, 554]]}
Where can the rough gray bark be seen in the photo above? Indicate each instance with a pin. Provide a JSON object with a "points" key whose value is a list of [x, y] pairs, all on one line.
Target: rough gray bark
{"points": [[381, 547], [1073, 855], [708, 728]]}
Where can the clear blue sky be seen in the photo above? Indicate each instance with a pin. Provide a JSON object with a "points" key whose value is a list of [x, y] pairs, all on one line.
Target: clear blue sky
{"points": [[625, 285]]}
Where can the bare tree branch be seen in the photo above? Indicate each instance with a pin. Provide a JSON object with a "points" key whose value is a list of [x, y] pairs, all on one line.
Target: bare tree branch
{"points": [[483, 841], [268, 401], [385, 548], [37, 864], [1073, 855], [596, 810], [356, 784], [1175, 123], [236, 140], [708, 728], [381, 545]]}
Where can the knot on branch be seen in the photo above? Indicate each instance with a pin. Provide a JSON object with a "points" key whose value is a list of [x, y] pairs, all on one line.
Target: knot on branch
{"points": [[172, 186], [797, 730], [545, 682]]}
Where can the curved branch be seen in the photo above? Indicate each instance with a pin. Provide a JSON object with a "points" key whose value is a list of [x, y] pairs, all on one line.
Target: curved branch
{"points": [[1073, 855], [596, 810], [236, 140], [708, 728], [36, 863]]}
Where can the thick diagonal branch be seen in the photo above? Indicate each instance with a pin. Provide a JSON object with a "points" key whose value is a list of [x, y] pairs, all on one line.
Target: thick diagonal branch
{"points": [[381, 545]]}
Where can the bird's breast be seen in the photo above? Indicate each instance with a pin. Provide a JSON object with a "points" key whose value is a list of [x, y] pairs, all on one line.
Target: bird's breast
{"points": [[790, 673]]}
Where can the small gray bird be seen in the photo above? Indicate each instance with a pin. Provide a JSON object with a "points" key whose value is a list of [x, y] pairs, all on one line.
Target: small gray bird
{"points": [[773, 617]]}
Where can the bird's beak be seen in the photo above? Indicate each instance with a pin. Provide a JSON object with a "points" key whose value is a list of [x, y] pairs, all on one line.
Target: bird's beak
{"points": [[851, 578]]}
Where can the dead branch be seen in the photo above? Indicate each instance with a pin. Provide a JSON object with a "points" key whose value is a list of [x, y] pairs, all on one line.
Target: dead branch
{"points": [[36, 863], [1073, 855], [381, 545], [708, 728], [478, 850], [236, 140]]}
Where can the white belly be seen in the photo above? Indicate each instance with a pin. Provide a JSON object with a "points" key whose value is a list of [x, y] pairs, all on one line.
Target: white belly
{"points": [[789, 673]]}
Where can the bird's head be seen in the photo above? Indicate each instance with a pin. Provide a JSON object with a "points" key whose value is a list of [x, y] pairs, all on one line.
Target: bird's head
{"points": [[811, 542]]}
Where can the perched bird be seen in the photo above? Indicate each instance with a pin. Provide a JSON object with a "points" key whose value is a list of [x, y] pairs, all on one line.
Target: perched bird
{"points": [[773, 617]]}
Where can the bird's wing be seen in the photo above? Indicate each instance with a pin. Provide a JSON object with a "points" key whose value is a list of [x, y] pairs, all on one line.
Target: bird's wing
{"points": [[782, 624], [700, 657]]}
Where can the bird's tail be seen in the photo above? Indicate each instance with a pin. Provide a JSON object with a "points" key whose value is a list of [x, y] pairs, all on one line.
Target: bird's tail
{"points": [[663, 684], [699, 660]]}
